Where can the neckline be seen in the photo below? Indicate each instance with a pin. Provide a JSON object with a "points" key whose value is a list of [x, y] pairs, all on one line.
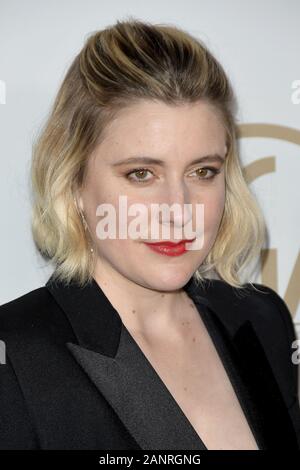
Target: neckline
{"points": [[225, 355]]}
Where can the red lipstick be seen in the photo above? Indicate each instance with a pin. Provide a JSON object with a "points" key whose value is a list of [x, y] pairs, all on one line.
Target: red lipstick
{"points": [[169, 248]]}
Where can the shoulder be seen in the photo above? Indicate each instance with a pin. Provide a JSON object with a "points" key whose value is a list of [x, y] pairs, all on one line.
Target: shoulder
{"points": [[21, 311], [271, 320], [33, 330], [33, 311], [256, 303], [33, 319]]}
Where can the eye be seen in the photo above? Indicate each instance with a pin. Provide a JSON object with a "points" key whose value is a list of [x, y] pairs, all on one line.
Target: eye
{"points": [[140, 173], [202, 172]]}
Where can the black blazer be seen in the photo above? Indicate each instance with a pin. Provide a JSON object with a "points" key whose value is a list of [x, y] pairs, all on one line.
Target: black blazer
{"points": [[75, 378]]}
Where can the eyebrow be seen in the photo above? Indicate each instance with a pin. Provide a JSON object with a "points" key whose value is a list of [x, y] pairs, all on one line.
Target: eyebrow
{"points": [[155, 161]]}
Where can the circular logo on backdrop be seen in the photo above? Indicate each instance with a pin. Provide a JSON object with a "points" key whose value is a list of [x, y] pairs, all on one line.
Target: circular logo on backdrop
{"points": [[264, 166]]}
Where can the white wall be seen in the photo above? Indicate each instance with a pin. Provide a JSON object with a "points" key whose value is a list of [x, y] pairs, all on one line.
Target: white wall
{"points": [[258, 43]]}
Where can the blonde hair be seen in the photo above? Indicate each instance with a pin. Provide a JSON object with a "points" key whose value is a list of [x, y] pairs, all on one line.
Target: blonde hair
{"points": [[119, 65]]}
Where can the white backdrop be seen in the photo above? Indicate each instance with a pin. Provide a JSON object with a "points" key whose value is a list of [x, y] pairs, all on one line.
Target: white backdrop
{"points": [[258, 43]]}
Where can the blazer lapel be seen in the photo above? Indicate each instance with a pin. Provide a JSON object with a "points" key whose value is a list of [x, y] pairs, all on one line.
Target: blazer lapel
{"points": [[252, 378], [263, 397], [123, 375], [121, 372], [139, 397]]}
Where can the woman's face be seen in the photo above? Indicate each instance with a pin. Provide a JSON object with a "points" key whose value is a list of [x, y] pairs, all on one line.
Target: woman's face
{"points": [[176, 136]]}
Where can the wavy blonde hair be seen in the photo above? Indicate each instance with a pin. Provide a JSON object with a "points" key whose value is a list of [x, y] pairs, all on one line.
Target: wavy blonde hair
{"points": [[119, 65]]}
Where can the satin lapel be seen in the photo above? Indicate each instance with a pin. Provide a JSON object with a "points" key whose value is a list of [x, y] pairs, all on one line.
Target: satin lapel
{"points": [[253, 380], [267, 405], [118, 368], [121, 372], [139, 397]]}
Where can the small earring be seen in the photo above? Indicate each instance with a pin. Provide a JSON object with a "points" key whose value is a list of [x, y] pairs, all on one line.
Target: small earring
{"points": [[84, 222], [83, 219], [80, 213]]}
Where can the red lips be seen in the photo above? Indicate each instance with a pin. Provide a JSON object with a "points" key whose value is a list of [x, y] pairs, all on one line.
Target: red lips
{"points": [[169, 248], [168, 243]]}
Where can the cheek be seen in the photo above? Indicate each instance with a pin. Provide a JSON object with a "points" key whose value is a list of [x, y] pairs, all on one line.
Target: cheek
{"points": [[120, 222], [212, 216], [213, 211]]}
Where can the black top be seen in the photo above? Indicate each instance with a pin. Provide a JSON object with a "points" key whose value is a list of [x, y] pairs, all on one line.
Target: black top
{"points": [[75, 378]]}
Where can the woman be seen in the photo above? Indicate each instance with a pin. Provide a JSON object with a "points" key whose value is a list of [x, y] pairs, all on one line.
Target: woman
{"points": [[134, 343]]}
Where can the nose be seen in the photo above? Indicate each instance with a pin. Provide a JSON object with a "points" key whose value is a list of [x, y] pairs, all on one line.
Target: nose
{"points": [[177, 201]]}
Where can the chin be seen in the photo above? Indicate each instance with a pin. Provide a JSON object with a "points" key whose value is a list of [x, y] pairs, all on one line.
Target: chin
{"points": [[169, 279]]}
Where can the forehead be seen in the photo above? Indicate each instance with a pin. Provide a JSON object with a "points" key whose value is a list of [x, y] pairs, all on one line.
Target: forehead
{"points": [[161, 130]]}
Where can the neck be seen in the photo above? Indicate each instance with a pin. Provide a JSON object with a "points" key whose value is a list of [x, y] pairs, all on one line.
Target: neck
{"points": [[145, 310]]}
